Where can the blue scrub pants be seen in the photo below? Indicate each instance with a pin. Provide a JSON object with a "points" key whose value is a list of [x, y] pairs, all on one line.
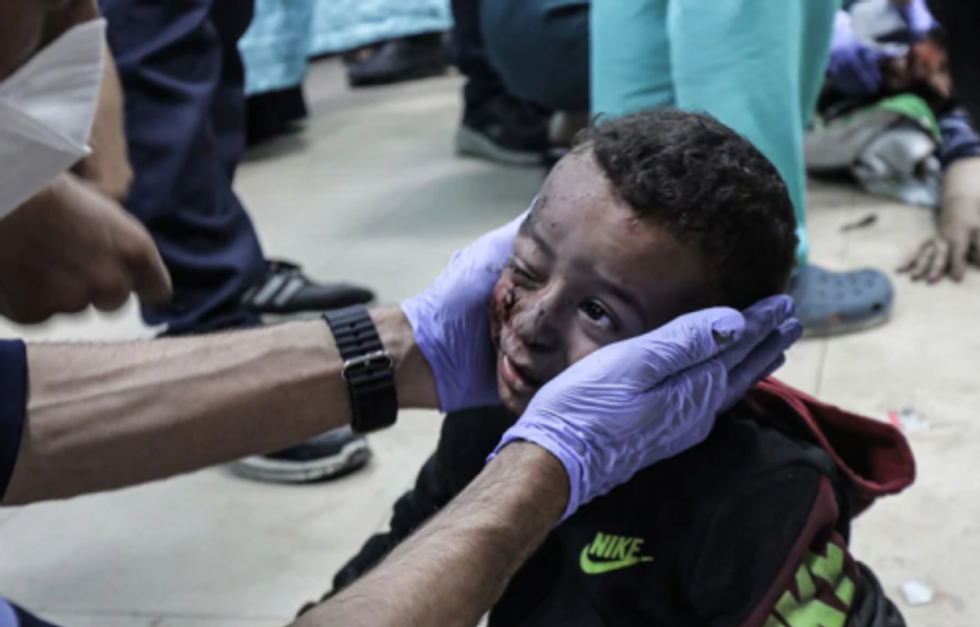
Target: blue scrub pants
{"points": [[756, 65]]}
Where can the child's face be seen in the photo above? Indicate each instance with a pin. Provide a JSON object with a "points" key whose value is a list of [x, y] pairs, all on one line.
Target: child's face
{"points": [[586, 272]]}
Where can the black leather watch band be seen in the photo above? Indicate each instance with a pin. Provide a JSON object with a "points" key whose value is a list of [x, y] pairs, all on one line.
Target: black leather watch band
{"points": [[368, 369]]}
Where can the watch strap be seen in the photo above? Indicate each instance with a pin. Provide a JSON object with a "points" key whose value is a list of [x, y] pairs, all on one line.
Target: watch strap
{"points": [[368, 369]]}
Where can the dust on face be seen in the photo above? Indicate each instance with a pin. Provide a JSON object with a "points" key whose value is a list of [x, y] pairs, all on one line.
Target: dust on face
{"points": [[586, 271]]}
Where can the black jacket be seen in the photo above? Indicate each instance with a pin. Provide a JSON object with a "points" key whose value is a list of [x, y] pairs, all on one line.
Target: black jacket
{"points": [[744, 529]]}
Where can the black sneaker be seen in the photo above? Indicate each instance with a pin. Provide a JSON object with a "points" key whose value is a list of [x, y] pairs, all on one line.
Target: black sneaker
{"points": [[505, 130], [285, 290], [332, 454], [398, 60]]}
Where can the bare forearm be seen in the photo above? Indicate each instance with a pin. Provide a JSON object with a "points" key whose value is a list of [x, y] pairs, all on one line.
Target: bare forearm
{"points": [[961, 184], [452, 571], [106, 416]]}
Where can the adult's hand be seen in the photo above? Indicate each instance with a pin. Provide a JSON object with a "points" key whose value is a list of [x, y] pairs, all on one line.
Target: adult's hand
{"points": [[917, 16], [451, 321], [69, 247], [636, 402], [957, 243]]}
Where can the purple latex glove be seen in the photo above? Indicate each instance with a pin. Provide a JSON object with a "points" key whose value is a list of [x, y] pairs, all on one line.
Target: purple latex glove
{"points": [[855, 65], [451, 321], [634, 403], [916, 14]]}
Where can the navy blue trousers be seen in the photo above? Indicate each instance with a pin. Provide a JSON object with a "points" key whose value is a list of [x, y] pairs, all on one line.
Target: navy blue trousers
{"points": [[483, 82], [183, 82]]}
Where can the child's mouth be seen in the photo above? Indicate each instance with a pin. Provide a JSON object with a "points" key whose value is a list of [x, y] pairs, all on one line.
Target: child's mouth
{"points": [[517, 377]]}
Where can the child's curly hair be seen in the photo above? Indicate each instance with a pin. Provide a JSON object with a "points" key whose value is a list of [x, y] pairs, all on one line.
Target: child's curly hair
{"points": [[710, 187]]}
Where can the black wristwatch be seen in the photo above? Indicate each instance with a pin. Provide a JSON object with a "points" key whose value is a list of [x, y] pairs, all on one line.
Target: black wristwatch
{"points": [[368, 369]]}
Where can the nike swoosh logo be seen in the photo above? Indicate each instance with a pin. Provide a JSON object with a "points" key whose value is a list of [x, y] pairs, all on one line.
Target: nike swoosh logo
{"points": [[597, 568]]}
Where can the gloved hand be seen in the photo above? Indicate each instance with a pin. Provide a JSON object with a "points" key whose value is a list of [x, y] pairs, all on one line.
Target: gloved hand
{"points": [[451, 321], [917, 16], [634, 403], [855, 66]]}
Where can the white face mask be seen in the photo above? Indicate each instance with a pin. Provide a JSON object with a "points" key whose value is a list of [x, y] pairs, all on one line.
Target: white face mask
{"points": [[47, 109]]}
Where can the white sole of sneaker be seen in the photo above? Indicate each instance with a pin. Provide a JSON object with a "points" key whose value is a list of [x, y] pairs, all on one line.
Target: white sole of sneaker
{"points": [[473, 144], [354, 455]]}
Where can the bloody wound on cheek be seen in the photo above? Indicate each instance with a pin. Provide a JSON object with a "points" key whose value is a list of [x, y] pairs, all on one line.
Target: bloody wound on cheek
{"points": [[501, 303]]}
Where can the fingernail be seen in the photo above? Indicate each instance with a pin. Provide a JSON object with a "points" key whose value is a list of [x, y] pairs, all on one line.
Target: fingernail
{"points": [[728, 328]]}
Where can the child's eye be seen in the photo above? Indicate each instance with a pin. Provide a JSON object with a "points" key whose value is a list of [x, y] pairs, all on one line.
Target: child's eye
{"points": [[598, 314], [519, 272]]}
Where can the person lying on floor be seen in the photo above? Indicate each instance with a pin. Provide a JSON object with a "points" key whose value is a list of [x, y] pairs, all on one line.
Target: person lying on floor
{"points": [[889, 115], [651, 216], [886, 86]]}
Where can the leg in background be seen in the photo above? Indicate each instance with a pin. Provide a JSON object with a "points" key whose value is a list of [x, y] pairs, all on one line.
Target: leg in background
{"points": [[631, 62], [275, 52], [741, 61], [231, 18], [758, 68], [541, 50], [183, 81], [184, 122], [496, 125], [469, 52]]}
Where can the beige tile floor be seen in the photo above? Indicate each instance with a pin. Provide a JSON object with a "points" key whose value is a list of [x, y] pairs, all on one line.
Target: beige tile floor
{"points": [[371, 191]]}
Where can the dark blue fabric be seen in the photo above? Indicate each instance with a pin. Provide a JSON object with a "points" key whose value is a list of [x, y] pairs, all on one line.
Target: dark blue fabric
{"points": [[25, 618], [13, 405], [540, 48], [183, 81], [960, 140], [470, 54]]}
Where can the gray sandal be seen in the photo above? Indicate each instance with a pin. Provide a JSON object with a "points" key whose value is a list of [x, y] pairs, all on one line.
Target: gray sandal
{"points": [[834, 303]]}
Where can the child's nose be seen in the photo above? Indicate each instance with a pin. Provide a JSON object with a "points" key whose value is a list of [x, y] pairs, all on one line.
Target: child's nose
{"points": [[539, 325]]}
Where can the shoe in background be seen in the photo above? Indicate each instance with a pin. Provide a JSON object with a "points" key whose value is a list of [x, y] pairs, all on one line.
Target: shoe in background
{"points": [[332, 454], [287, 291], [398, 60], [506, 130]]}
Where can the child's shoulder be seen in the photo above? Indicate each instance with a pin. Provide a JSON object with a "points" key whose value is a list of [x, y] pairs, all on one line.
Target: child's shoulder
{"points": [[468, 437], [480, 427], [740, 451]]}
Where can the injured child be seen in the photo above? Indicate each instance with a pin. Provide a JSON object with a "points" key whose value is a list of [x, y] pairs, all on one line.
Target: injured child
{"points": [[652, 216]]}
